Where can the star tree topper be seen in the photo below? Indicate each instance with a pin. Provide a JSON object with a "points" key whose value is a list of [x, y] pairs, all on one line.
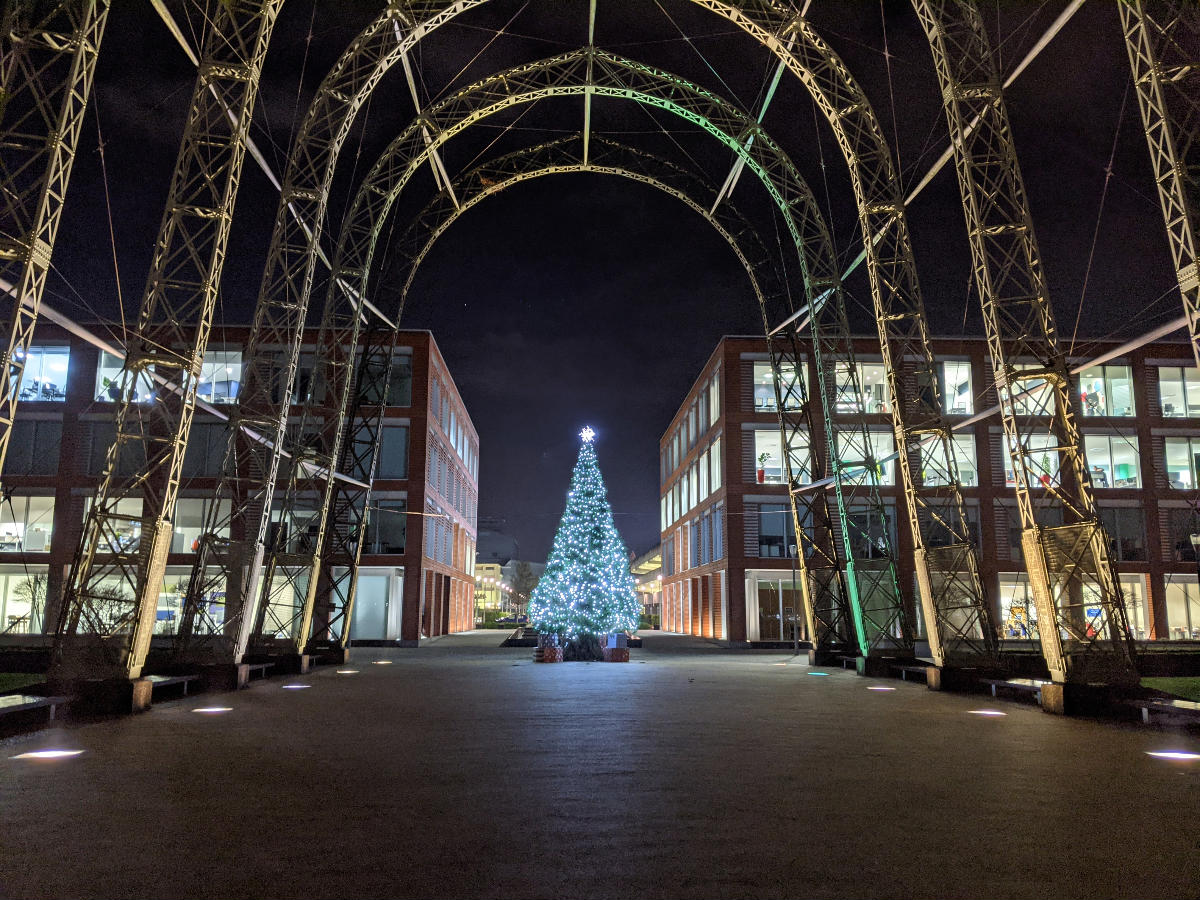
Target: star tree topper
{"points": [[587, 434]]}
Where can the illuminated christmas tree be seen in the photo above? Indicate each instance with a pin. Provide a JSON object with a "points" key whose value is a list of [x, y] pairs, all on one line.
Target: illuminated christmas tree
{"points": [[586, 590]]}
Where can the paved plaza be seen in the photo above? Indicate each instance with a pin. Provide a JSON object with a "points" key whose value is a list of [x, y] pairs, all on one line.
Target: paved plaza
{"points": [[462, 769]]}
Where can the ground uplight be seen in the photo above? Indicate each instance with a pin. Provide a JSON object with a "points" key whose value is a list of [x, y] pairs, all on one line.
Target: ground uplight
{"points": [[880, 687], [47, 754], [986, 712], [347, 671], [822, 674], [213, 710], [1173, 754], [382, 662], [295, 687]]}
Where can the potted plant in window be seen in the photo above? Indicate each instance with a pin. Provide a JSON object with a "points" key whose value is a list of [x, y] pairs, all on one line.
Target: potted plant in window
{"points": [[762, 467]]}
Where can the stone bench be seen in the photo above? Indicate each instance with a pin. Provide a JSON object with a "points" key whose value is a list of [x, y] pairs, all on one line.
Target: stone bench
{"points": [[905, 670], [162, 681], [16, 703], [1019, 685], [1184, 709]]}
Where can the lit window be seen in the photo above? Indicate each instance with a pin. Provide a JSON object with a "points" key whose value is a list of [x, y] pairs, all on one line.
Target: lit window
{"points": [[957, 398], [1041, 459], [26, 524], [715, 460], [1018, 615], [1112, 460], [1179, 391], [1181, 458], [934, 470], [108, 381], [191, 517], [856, 460], [764, 387], [1031, 396], [870, 395], [1183, 607], [769, 468], [714, 398], [45, 374], [1106, 391], [220, 376]]}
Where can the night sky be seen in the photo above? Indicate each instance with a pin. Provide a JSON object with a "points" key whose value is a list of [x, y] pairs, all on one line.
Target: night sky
{"points": [[587, 299]]}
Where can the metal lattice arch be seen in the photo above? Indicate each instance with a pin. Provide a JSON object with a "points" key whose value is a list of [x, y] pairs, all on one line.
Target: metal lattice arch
{"points": [[948, 573], [878, 611], [828, 619]]}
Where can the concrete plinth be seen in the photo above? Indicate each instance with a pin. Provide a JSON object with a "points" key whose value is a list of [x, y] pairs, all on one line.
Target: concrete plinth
{"points": [[872, 666], [293, 664], [332, 656], [112, 696], [823, 658], [225, 676]]}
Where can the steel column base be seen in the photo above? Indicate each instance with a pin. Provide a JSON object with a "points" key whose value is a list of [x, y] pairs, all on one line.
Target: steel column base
{"points": [[292, 663], [873, 666], [111, 696], [225, 676]]}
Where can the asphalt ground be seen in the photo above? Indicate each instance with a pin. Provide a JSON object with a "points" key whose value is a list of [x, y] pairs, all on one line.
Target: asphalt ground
{"points": [[461, 769]]}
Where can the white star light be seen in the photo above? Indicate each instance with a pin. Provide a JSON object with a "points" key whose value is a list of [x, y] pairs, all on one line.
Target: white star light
{"points": [[587, 434]]}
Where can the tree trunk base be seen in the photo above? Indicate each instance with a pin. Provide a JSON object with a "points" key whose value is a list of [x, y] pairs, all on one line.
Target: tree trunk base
{"points": [[585, 648]]}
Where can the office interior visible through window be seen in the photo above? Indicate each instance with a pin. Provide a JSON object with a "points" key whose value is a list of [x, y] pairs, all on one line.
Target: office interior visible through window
{"points": [[45, 374], [957, 398], [1179, 392], [1106, 391]]}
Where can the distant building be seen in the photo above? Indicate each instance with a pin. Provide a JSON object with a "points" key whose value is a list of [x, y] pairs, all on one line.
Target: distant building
{"points": [[728, 542], [417, 569]]}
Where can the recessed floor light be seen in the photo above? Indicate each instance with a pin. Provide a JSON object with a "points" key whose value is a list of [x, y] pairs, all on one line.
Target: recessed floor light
{"points": [[47, 754], [382, 662], [986, 712], [347, 671], [1172, 754], [295, 687], [822, 674], [880, 687], [212, 710]]}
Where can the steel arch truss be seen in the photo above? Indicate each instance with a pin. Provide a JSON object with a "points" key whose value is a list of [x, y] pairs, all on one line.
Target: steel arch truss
{"points": [[47, 64], [113, 588], [1164, 54], [880, 618], [825, 606], [1084, 633]]}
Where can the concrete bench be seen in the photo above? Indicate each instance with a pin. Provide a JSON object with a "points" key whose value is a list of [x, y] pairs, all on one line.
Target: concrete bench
{"points": [[15, 703], [848, 662], [905, 670], [260, 667], [1185, 709], [1019, 685], [161, 681]]}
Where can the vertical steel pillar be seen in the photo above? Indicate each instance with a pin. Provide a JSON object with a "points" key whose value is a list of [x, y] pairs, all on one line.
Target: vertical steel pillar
{"points": [[112, 592], [1081, 614], [1164, 54], [47, 65]]}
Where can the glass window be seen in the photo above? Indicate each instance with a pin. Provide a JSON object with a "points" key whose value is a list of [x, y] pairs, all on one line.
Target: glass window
{"points": [[714, 457], [872, 533], [663, 512], [26, 524], [1178, 391], [872, 396], [220, 376], [393, 452], [776, 531], [205, 449], [387, 526], [1031, 396], [191, 515], [1043, 461], [704, 469], [769, 460], [1126, 527], [1106, 391], [718, 531], [957, 398], [1112, 460], [1182, 457], [22, 599], [1018, 615], [934, 470], [108, 381], [693, 486], [714, 398], [854, 456], [1183, 607], [764, 387], [45, 374], [34, 448]]}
